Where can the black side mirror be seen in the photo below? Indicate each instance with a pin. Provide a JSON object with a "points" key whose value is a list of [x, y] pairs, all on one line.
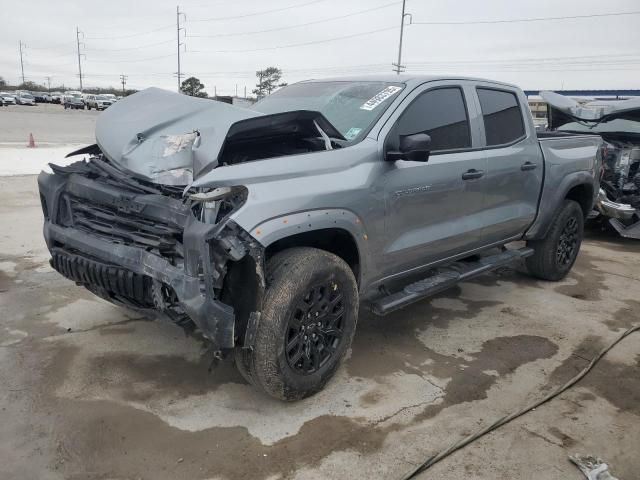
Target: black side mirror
{"points": [[413, 147]]}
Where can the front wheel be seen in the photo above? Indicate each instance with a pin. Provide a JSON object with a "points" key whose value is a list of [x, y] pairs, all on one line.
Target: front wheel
{"points": [[555, 254], [308, 319]]}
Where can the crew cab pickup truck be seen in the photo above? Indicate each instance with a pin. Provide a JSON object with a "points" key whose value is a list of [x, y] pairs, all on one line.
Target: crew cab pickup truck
{"points": [[267, 228]]}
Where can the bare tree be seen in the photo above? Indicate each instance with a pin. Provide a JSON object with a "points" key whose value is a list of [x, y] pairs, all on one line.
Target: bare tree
{"points": [[268, 81]]}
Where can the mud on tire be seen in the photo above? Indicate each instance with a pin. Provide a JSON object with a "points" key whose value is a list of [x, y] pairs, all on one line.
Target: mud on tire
{"points": [[307, 324], [555, 254]]}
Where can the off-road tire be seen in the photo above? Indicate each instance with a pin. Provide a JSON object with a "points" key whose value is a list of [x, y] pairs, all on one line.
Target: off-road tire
{"points": [[291, 275], [550, 260]]}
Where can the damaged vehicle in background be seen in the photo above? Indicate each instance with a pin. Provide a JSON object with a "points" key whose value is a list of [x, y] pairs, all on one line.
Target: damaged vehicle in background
{"points": [[266, 228], [618, 123]]}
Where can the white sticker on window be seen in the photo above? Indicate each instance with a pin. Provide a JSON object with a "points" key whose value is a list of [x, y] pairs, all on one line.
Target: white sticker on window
{"points": [[380, 97], [352, 133]]}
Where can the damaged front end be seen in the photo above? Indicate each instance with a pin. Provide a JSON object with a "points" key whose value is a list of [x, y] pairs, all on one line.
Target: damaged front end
{"points": [[131, 224], [146, 246], [618, 123]]}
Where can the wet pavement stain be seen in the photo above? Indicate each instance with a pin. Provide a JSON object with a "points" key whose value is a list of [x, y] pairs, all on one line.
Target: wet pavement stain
{"points": [[612, 241], [618, 383], [139, 378], [590, 281], [387, 345], [118, 441], [471, 380], [625, 317], [98, 439], [567, 441]]}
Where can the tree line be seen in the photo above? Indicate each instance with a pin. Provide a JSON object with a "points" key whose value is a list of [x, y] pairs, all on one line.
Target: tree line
{"points": [[269, 80]]}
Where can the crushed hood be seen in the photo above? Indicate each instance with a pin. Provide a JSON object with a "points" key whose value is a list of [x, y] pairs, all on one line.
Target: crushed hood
{"points": [[171, 138], [596, 111], [166, 137]]}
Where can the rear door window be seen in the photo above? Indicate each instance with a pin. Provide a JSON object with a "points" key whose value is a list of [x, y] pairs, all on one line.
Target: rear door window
{"points": [[440, 113], [502, 116]]}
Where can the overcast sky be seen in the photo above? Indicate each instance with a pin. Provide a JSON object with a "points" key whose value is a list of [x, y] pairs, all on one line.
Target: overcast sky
{"points": [[226, 41]]}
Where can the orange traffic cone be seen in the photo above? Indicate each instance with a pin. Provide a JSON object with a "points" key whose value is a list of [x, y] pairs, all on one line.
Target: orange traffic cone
{"points": [[32, 143]]}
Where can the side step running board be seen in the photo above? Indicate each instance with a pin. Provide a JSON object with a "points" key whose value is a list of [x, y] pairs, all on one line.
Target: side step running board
{"points": [[444, 278]]}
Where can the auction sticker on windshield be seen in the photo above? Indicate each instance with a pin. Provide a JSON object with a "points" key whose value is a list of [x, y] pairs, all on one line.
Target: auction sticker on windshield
{"points": [[352, 133], [380, 97]]}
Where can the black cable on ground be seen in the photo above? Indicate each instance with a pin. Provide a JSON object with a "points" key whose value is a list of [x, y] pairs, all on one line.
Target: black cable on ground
{"points": [[504, 420]]}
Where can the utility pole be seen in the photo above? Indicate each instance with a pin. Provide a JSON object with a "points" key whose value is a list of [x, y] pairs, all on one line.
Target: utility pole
{"points": [[21, 62], [78, 32], [245, 91], [123, 80], [48, 84], [178, 28], [236, 90], [398, 66]]}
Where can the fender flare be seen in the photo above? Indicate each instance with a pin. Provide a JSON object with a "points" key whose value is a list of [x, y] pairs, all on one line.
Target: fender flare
{"points": [[551, 201], [291, 224]]}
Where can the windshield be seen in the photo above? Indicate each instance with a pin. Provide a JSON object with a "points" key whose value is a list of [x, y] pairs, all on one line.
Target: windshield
{"points": [[26, 95], [351, 107], [616, 125], [100, 97]]}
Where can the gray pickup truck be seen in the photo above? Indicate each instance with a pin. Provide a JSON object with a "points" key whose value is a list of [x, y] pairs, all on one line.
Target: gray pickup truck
{"points": [[267, 228]]}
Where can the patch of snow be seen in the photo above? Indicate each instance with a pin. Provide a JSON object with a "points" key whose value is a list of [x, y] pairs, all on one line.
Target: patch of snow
{"points": [[21, 160]]}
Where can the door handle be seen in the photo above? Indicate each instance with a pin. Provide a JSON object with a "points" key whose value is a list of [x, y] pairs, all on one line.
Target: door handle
{"points": [[528, 166], [472, 173]]}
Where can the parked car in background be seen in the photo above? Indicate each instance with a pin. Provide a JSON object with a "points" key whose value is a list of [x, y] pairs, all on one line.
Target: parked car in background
{"points": [[99, 102], [25, 98], [618, 123], [268, 227], [41, 97], [56, 97], [111, 97], [73, 101], [8, 98]]}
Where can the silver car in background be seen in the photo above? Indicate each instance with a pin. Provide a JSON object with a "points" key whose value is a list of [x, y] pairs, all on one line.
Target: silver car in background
{"points": [[25, 98]]}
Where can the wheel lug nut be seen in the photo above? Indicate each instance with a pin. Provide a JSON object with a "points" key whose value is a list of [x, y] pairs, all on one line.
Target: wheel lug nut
{"points": [[317, 314], [305, 337]]}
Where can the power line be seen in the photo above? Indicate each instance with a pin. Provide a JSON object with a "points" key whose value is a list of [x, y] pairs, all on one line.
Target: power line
{"points": [[315, 22], [291, 45], [131, 48], [123, 80], [116, 37], [133, 60], [255, 14], [520, 20]]}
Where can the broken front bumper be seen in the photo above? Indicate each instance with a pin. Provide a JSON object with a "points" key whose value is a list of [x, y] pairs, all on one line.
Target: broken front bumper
{"points": [[610, 209], [146, 251], [624, 218]]}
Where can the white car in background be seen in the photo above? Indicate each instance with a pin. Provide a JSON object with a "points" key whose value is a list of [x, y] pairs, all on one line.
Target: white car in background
{"points": [[8, 98], [99, 102], [25, 98]]}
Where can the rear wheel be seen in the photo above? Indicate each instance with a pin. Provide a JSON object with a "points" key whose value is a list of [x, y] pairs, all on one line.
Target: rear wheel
{"points": [[307, 324], [555, 254]]}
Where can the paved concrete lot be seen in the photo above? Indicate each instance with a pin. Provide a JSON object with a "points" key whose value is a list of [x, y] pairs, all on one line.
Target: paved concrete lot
{"points": [[49, 123], [92, 391]]}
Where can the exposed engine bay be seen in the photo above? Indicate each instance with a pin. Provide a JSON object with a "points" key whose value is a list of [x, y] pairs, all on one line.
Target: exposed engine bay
{"points": [[621, 171], [618, 123]]}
